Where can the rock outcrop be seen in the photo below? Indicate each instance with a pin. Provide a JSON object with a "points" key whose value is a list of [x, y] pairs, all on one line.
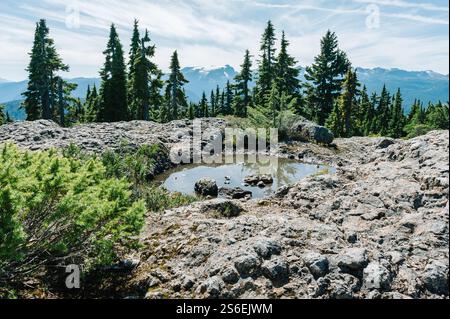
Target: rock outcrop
{"points": [[307, 131], [377, 228]]}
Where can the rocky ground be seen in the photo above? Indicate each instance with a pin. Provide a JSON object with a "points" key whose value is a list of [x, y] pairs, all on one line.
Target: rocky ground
{"points": [[377, 228]]}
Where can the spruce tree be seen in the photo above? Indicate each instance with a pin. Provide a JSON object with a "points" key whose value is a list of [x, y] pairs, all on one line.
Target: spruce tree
{"points": [[91, 105], [383, 113], [2, 115], [175, 83], [370, 116], [364, 107], [228, 100], [273, 103], [266, 70], [242, 81], [42, 82], [203, 106], [325, 76], [286, 72], [397, 120], [113, 92], [213, 104]]}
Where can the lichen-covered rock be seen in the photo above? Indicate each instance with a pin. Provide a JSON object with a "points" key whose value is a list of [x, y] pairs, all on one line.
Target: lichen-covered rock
{"points": [[206, 187], [376, 276], [304, 130], [317, 264], [435, 277], [352, 260]]}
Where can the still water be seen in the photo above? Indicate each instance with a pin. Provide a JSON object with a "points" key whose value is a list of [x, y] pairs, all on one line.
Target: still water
{"points": [[183, 178]]}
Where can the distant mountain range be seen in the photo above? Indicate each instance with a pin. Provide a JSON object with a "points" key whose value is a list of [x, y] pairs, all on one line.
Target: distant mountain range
{"points": [[424, 85]]}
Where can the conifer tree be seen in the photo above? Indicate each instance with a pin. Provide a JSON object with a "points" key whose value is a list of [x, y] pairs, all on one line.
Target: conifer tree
{"points": [[203, 106], [242, 81], [91, 105], [364, 107], [2, 115], [42, 83], [397, 120], [175, 83], [286, 72], [383, 113], [213, 104], [370, 116], [273, 103], [438, 116], [325, 76], [266, 70], [227, 100], [113, 105]]}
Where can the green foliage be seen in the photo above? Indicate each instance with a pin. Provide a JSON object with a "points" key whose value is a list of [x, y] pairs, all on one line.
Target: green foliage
{"points": [[159, 199], [2, 115], [175, 95], [242, 86], [57, 209], [325, 76], [113, 106], [42, 80]]}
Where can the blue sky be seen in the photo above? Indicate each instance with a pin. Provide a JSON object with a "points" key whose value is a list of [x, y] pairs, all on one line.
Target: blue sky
{"points": [[408, 34]]}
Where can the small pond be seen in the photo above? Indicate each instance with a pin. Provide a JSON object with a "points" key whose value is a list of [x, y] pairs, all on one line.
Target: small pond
{"points": [[183, 178]]}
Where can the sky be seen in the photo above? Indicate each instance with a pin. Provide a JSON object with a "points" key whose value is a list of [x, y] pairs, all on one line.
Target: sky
{"points": [[405, 34]]}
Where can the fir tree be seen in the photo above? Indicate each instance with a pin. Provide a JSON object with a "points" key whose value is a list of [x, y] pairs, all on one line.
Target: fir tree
{"points": [[213, 104], [91, 105], [175, 83], [203, 106], [286, 72], [364, 107], [397, 120], [266, 70], [273, 102], [325, 76], [113, 92], [227, 100], [243, 79], [383, 113], [42, 82], [2, 115]]}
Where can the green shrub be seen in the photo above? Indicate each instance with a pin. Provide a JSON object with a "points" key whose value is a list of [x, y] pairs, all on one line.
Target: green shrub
{"points": [[417, 130], [159, 199], [58, 210]]}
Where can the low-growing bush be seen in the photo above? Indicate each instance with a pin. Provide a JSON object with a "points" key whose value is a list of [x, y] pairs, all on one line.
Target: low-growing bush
{"points": [[58, 210]]}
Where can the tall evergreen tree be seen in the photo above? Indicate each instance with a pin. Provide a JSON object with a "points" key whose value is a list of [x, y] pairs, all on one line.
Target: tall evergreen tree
{"points": [[364, 106], [91, 105], [325, 76], [175, 83], [228, 100], [213, 104], [266, 70], [2, 115], [286, 71], [343, 117], [42, 82], [383, 113], [273, 103], [144, 71], [243, 79], [397, 120], [203, 106], [113, 92]]}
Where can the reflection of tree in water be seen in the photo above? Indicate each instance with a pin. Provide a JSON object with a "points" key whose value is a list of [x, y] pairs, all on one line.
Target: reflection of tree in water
{"points": [[283, 174]]}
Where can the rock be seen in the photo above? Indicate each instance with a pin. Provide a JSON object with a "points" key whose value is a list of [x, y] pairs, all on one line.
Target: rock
{"points": [[261, 184], [256, 179], [221, 208], [385, 142], [304, 130], [352, 260], [230, 275], [435, 277], [212, 287], [266, 248], [235, 193], [276, 269], [206, 187], [247, 265], [376, 276], [351, 237], [317, 264]]}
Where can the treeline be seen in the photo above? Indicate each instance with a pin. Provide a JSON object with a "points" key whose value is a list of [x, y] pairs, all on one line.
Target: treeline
{"points": [[331, 96]]}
